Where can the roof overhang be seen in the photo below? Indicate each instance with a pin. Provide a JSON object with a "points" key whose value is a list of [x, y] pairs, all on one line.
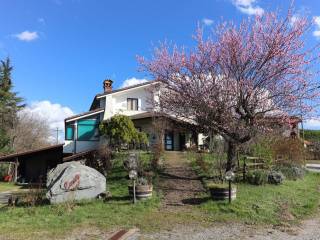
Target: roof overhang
{"points": [[84, 115]]}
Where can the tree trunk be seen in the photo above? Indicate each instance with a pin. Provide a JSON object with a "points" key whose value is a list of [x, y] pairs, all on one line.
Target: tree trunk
{"points": [[232, 156], [211, 142]]}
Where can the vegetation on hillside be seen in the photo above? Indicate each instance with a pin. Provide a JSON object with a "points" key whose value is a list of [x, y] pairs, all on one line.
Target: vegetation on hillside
{"points": [[311, 135]]}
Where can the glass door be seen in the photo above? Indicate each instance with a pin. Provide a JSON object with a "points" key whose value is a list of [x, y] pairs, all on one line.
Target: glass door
{"points": [[168, 141]]}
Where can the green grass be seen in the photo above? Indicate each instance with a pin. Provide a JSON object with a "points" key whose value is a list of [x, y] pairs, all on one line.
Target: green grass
{"points": [[50, 221], [269, 204], [5, 186], [266, 204]]}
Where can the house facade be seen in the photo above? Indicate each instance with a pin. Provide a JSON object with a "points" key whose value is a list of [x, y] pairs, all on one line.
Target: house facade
{"points": [[82, 131]]}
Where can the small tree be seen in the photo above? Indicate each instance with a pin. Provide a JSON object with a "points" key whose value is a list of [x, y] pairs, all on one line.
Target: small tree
{"points": [[10, 104], [29, 132], [120, 130], [141, 139], [237, 77]]}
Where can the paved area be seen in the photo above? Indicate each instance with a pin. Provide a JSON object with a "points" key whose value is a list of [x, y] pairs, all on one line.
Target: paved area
{"points": [[313, 167], [4, 196]]}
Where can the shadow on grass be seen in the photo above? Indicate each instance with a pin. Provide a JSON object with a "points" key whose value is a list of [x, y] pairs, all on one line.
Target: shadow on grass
{"points": [[171, 176], [119, 198], [195, 201]]}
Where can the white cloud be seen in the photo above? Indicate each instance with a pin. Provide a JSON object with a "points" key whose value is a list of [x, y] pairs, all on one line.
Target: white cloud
{"points": [[316, 21], [294, 19], [207, 21], [133, 81], [52, 112], [41, 21], [313, 123], [26, 36], [248, 7]]}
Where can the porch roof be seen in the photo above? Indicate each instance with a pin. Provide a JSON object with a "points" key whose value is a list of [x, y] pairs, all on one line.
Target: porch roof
{"points": [[14, 156]]}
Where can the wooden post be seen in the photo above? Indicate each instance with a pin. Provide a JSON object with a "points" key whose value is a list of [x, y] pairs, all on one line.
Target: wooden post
{"points": [[16, 170], [244, 168], [230, 191], [134, 191]]}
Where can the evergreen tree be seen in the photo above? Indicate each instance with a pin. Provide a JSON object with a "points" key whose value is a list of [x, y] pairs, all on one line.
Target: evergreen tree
{"points": [[10, 104]]}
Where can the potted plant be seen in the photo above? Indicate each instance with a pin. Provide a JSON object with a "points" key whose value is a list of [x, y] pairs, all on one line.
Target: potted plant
{"points": [[221, 191], [143, 188]]}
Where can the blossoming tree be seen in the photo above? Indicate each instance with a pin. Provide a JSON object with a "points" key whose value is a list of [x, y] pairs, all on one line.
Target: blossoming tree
{"points": [[238, 75]]}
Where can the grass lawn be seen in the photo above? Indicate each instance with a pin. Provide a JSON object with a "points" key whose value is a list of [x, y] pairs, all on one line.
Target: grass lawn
{"points": [[268, 204], [4, 186], [54, 221]]}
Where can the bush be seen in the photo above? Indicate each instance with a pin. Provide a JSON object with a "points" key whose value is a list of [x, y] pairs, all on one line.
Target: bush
{"points": [[275, 177], [289, 151], [257, 177], [292, 172], [3, 170], [262, 148]]}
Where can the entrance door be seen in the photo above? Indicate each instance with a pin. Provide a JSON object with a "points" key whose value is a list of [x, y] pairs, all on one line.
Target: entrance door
{"points": [[182, 141], [168, 141]]}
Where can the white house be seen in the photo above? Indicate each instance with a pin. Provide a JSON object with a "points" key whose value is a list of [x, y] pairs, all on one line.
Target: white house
{"points": [[82, 134]]}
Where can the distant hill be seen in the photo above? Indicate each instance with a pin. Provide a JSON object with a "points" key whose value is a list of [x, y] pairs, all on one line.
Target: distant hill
{"points": [[311, 135]]}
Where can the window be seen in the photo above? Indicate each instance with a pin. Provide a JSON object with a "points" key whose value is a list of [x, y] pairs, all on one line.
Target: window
{"points": [[132, 104], [88, 130], [69, 131]]}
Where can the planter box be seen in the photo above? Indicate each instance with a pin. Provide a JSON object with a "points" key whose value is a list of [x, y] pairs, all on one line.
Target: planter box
{"points": [[222, 193], [142, 191]]}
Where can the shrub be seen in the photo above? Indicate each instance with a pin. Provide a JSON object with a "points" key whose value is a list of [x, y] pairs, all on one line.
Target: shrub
{"points": [[262, 148], [4, 167], [275, 177], [292, 172], [257, 177], [289, 151], [101, 160], [120, 131], [142, 181]]}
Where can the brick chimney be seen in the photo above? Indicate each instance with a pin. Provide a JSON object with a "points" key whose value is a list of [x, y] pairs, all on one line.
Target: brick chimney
{"points": [[107, 85]]}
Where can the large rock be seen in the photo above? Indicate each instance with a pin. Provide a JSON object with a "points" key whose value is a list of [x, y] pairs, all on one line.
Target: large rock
{"points": [[74, 181]]}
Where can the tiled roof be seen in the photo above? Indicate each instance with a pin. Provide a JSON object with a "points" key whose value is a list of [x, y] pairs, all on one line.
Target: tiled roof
{"points": [[126, 88]]}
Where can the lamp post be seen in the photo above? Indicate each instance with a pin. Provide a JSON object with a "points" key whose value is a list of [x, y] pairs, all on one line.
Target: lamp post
{"points": [[133, 175], [229, 176]]}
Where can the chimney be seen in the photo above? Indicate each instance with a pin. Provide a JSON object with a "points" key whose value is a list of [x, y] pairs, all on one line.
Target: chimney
{"points": [[107, 85]]}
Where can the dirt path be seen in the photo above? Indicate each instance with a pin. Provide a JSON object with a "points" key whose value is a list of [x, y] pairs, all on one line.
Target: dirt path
{"points": [[178, 182]]}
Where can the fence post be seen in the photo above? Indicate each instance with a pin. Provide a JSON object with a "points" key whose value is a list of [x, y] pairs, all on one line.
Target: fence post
{"points": [[244, 169]]}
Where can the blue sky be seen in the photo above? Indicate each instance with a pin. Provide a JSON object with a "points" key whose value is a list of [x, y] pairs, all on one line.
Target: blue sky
{"points": [[62, 50]]}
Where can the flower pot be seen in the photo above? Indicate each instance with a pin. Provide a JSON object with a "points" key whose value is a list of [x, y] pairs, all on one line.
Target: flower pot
{"points": [[142, 191], [222, 192]]}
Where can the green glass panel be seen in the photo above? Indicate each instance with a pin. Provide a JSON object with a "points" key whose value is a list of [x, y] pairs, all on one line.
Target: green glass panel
{"points": [[69, 133], [87, 129], [88, 122]]}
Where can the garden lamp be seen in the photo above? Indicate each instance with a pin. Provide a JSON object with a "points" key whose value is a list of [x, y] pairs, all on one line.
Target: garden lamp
{"points": [[133, 174], [229, 177]]}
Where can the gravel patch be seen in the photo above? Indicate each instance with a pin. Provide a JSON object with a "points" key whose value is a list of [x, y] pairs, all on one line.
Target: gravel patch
{"points": [[309, 230]]}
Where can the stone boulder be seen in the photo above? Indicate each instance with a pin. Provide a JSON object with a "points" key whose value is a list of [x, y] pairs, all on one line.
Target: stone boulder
{"points": [[74, 181]]}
